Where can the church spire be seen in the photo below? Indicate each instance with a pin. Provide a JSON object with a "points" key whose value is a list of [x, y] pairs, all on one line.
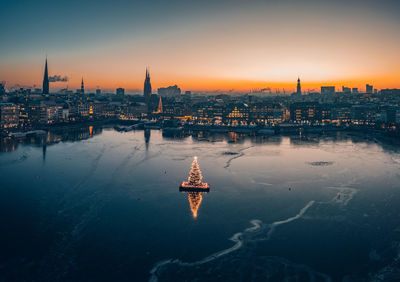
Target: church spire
{"points": [[82, 87], [46, 87], [147, 91], [298, 86]]}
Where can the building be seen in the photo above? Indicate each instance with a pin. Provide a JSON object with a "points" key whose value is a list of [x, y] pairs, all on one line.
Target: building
{"points": [[120, 91], [169, 91], [147, 91], [390, 91], [37, 112], [305, 112], [354, 90], [266, 113], [9, 115], [54, 113], [82, 87], [369, 89], [46, 86], [98, 91], [364, 114], [346, 90], [298, 92], [327, 90], [2, 88], [207, 112], [236, 114], [341, 114]]}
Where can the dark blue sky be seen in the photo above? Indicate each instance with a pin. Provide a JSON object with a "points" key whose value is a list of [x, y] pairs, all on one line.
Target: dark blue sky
{"points": [[175, 33]]}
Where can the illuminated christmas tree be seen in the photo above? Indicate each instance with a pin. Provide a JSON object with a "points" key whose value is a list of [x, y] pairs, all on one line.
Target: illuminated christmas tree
{"points": [[194, 182], [195, 176]]}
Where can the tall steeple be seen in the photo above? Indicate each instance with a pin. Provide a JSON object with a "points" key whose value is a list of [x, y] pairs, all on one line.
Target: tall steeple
{"points": [[298, 86], [147, 91], [82, 87], [46, 87]]}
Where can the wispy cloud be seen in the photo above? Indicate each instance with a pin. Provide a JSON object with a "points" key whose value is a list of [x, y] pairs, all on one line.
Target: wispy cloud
{"points": [[58, 78]]}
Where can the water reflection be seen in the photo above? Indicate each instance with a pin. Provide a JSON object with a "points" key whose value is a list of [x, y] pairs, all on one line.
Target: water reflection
{"points": [[56, 135], [147, 134], [64, 134], [195, 199], [44, 152]]}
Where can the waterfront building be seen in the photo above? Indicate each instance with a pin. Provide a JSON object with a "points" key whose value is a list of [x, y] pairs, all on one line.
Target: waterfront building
{"points": [[37, 112], [9, 115], [305, 112], [236, 114], [266, 113], [364, 114], [341, 114]]}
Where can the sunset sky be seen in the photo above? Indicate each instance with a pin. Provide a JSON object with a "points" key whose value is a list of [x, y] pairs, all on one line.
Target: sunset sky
{"points": [[202, 45]]}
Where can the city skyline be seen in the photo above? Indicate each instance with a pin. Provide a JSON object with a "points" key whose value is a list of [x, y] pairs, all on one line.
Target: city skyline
{"points": [[207, 47], [287, 87]]}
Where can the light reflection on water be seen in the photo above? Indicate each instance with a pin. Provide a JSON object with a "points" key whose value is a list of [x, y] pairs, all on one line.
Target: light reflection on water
{"points": [[96, 204]]}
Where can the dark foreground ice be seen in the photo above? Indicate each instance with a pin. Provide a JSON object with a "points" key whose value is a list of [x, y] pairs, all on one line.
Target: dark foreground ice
{"points": [[99, 205]]}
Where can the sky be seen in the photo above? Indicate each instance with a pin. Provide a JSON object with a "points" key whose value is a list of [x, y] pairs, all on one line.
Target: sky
{"points": [[201, 45]]}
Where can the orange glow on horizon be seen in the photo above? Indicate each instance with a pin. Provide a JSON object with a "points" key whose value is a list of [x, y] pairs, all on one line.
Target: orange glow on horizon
{"points": [[31, 76], [211, 85]]}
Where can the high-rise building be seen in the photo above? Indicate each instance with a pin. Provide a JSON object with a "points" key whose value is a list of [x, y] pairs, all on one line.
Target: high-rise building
{"points": [[354, 90], [82, 87], [98, 91], [327, 89], [45, 89], [298, 87], [346, 90], [169, 91], [147, 91], [120, 91], [369, 89]]}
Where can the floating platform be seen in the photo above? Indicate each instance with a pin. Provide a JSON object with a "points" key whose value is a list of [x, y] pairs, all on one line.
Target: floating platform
{"points": [[186, 187]]}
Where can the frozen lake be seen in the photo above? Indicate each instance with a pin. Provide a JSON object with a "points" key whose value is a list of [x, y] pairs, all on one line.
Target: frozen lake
{"points": [[100, 205]]}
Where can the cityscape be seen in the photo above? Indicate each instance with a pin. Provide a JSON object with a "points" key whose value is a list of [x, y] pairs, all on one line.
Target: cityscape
{"points": [[214, 140], [263, 112]]}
